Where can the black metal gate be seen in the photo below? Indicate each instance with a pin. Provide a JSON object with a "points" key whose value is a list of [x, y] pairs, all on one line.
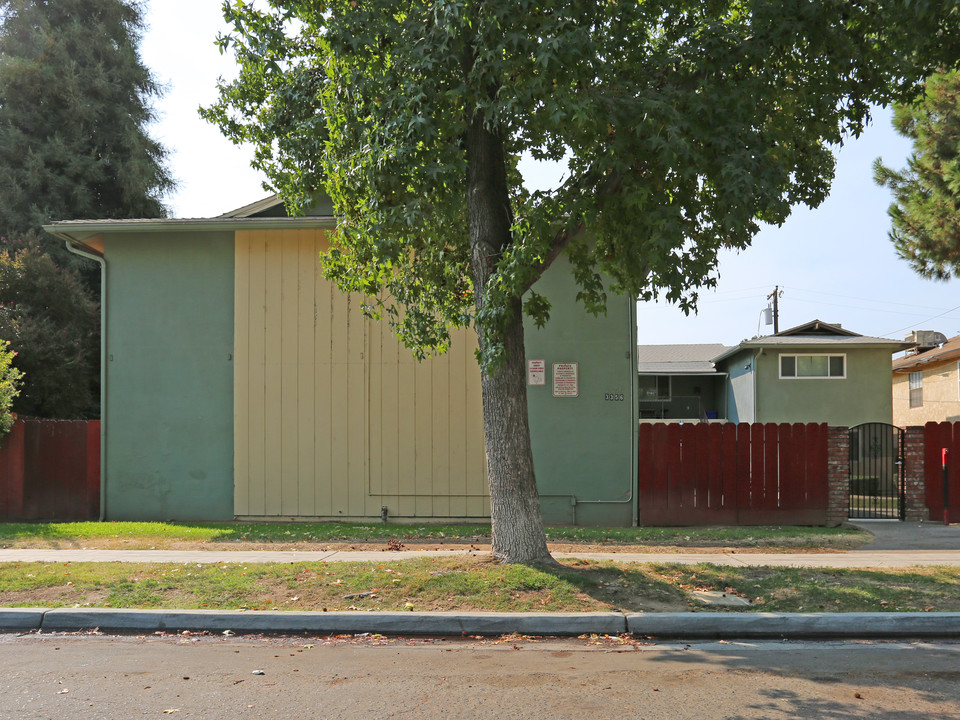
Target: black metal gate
{"points": [[876, 472]]}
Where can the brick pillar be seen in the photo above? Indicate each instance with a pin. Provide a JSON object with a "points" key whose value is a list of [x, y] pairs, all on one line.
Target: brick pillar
{"points": [[914, 480], [838, 474]]}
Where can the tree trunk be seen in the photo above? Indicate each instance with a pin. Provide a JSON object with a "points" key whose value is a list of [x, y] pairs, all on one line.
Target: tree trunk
{"points": [[517, 525]]}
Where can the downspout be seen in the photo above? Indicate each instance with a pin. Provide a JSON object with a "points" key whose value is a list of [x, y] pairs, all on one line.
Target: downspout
{"points": [[103, 371], [756, 398]]}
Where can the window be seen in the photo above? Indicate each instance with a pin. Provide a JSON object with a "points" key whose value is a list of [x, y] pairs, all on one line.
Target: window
{"points": [[916, 389], [654, 387], [813, 366]]}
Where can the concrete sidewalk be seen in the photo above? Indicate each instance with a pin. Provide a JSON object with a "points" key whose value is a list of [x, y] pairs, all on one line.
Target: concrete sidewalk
{"points": [[851, 559], [894, 545], [913, 535]]}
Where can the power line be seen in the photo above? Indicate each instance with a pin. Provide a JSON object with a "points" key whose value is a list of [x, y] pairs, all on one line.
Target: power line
{"points": [[852, 297], [857, 307], [922, 322]]}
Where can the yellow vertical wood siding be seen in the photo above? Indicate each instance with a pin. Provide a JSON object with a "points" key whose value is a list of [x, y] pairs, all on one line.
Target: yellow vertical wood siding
{"points": [[334, 418]]}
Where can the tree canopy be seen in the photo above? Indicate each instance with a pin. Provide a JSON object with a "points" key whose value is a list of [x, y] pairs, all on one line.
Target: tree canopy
{"points": [[684, 125], [925, 214], [74, 111]]}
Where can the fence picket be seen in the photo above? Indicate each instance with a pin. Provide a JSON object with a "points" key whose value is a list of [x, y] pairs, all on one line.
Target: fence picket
{"points": [[688, 466], [757, 467], [742, 481], [714, 466], [771, 469]]}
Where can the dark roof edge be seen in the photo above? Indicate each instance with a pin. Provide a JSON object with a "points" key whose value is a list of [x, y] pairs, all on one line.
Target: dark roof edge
{"points": [[868, 343], [911, 362], [254, 207], [76, 231], [817, 324]]}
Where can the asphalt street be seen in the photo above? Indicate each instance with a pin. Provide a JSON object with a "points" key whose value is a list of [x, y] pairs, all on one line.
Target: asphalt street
{"points": [[91, 677]]}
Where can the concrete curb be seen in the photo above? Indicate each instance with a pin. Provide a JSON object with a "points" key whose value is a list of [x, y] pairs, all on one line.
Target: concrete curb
{"points": [[335, 623], [795, 625], [675, 626], [20, 619]]}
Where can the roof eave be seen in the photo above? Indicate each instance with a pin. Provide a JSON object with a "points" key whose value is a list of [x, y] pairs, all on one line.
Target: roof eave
{"points": [[78, 231], [891, 345]]}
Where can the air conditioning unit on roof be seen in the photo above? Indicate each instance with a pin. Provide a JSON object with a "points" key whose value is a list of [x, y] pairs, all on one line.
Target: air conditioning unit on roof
{"points": [[926, 339]]}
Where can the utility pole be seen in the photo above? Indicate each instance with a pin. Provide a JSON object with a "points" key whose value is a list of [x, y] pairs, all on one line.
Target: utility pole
{"points": [[776, 308]]}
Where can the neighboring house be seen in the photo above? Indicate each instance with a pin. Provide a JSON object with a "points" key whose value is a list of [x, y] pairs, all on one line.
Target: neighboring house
{"points": [[926, 381], [815, 372], [239, 383], [681, 382]]}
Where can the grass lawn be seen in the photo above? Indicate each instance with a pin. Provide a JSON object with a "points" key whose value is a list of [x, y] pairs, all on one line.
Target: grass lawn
{"points": [[471, 584], [155, 535]]}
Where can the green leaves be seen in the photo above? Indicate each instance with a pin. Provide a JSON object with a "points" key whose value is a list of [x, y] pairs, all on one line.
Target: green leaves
{"points": [[74, 108], [925, 214], [10, 379], [686, 124]]}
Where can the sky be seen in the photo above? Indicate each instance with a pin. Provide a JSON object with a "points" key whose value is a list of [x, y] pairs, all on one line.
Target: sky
{"points": [[834, 263]]}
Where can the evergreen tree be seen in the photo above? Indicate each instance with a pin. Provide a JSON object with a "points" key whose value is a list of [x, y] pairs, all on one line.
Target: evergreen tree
{"points": [[74, 110], [73, 114], [925, 213]]}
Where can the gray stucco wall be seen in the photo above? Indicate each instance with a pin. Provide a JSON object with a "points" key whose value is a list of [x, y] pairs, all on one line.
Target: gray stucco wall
{"points": [[169, 389], [584, 447], [741, 402]]}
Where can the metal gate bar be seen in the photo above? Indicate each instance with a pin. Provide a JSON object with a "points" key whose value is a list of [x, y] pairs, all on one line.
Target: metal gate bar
{"points": [[876, 472]]}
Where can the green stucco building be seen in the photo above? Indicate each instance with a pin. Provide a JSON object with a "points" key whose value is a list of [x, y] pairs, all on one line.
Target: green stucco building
{"points": [[815, 372], [239, 383]]}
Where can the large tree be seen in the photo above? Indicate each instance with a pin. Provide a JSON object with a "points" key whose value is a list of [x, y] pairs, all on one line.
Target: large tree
{"points": [[684, 124], [925, 214], [74, 112]]}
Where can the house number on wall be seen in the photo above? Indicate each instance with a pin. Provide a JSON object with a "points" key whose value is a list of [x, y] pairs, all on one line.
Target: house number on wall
{"points": [[613, 397]]}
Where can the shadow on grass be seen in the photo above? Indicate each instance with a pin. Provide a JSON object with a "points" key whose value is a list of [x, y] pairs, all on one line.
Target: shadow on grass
{"points": [[783, 589], [629, 588]]}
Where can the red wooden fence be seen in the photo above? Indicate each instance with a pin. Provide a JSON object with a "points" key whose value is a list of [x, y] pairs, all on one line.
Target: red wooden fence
{"points": [[937, 436], [50, 470], [727, 474]]}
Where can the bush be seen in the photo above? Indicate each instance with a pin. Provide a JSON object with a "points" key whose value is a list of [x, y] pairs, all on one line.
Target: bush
{"points": [[10, 379]]}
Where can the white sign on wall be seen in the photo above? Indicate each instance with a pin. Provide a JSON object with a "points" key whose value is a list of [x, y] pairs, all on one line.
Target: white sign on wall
{"points": [[565, 381], [536, 372]]}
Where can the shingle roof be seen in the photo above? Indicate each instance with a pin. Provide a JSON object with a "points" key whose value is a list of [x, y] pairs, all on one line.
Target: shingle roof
{"points": [[254, 207], [817, 327], [950, 350], [816, 334], [668, 359]]}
